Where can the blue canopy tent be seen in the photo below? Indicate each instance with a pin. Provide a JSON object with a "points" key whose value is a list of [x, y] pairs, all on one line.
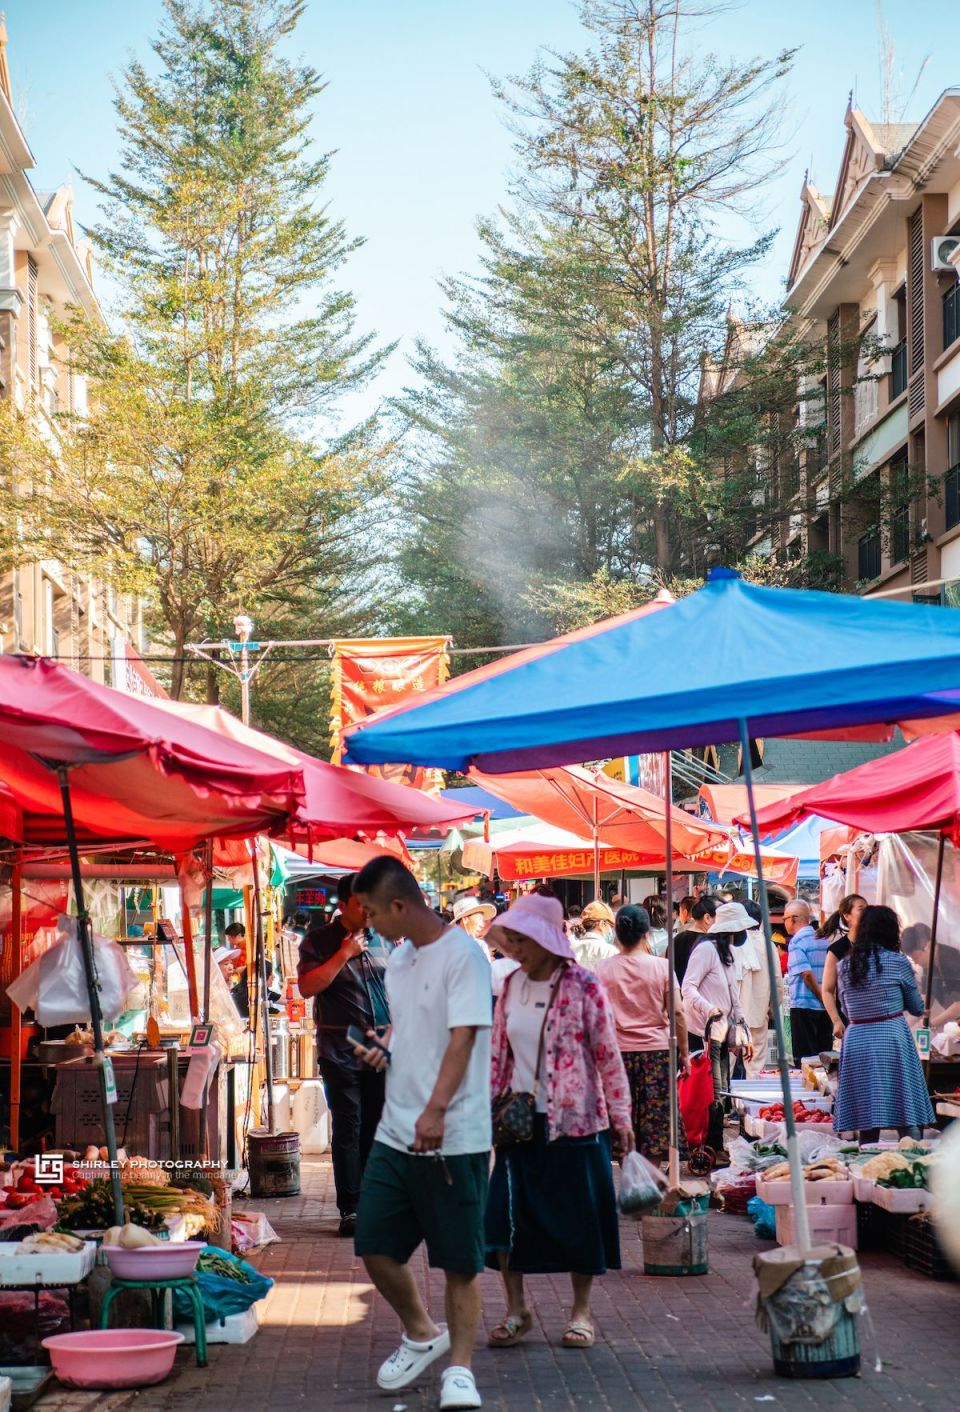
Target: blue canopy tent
{"points": [[776, 662]]}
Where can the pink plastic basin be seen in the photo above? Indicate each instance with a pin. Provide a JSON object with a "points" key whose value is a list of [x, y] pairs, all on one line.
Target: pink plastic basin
{"points": [[113, 1358], [154, 1262]]}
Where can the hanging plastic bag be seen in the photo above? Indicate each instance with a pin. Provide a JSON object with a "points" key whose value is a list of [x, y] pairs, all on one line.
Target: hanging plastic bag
{"points": [[55, 987], [641, 1185]]}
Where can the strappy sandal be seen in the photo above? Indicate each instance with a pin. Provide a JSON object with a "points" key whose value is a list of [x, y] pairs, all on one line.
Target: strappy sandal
{"points": [[514, 1326], [578, 1334]]}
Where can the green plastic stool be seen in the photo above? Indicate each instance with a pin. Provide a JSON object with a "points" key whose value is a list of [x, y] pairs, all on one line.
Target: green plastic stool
{"points": [[188, 1286]]}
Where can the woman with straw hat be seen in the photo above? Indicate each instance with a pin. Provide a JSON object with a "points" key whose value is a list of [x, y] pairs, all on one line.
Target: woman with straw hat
{"points": [[592, 936], [561, 1103]]}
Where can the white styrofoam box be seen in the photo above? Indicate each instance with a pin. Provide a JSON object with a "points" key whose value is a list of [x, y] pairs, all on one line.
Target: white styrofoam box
{"points": [[902, 1201], [779, 1193], [311, 1117], [282, 1109], [863, 1188], [6, 1394], [45, 1267], [829, 1225], [753, 1126], [235, 1328]]}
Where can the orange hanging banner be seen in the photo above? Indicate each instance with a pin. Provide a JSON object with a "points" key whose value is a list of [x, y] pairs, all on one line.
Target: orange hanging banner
{"points": [[374, 672]]}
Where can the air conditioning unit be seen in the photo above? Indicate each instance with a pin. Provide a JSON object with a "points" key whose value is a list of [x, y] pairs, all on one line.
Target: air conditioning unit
{"points": [[942, 247]]}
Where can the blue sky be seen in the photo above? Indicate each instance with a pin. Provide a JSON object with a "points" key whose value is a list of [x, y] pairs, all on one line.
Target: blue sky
{"points": [[421, 146]]}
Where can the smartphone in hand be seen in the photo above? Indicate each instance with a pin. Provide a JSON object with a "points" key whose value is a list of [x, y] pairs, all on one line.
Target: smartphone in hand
{"points": [[356, 1036]]}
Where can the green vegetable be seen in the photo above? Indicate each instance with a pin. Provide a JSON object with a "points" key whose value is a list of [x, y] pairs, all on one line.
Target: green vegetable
{"points": [[211, 1263]]}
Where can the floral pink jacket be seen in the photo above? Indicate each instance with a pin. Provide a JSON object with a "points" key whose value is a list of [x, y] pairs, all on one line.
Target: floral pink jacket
{"points": [[583, 1074]]}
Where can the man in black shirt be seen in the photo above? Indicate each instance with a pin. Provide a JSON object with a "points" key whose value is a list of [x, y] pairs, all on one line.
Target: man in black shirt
{"points": [[341, 967]]}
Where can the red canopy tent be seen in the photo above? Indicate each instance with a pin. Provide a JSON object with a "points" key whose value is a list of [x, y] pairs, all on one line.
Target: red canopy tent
{"points": [[917, 788], [87, 764], [337, 801]]}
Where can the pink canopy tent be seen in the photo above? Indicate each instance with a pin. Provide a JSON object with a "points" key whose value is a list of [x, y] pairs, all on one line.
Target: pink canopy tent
{"points": [[337, 801]]}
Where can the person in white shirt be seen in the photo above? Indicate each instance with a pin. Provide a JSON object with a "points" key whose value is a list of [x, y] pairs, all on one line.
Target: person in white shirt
{"points": [[592, 937], [474, 916], [711, 1003], [427, 1174]]}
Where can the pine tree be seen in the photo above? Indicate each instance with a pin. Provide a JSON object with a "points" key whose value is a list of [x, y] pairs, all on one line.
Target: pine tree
{"points": [[205, 473]]}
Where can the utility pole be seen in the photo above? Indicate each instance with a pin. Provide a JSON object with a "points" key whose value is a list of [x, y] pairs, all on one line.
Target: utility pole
{"points": [[243, 627]]}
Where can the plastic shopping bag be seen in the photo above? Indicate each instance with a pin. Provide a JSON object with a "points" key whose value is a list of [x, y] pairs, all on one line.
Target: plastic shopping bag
{"points": [[55, 986], [221, 1294], [641, 1185]]}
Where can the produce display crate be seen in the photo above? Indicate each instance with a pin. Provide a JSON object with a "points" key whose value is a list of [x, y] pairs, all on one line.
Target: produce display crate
{"points": [[48, 1267], [871, 1226], [779, 1193], [829, 1225], [924, 1252], [141, 1112], [901, 1200], [895, 1229]]}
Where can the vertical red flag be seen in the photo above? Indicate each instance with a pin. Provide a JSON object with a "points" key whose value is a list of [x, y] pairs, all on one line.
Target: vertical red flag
{"points": [[374, 672]]}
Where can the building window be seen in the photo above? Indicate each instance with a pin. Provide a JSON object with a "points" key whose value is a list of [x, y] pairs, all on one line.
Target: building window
{"points": [[951, 314], [900, 513], [951, 485], [898, 370], [868, 555]]}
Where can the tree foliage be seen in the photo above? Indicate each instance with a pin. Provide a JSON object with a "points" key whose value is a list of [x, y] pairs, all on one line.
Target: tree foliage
{"points": [[205, 473], [567, 448]]}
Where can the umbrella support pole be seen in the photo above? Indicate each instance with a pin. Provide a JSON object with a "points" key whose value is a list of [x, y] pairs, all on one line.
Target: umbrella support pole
{"points": [[89, 967], [261, 963], [673, 1169], [801, 1221], [16, 1060], [928, 997], [207, 934], [596, 853]]}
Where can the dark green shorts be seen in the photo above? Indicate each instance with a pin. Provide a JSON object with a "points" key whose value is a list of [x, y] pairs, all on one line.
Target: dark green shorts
{"points": [[406, 1198]]}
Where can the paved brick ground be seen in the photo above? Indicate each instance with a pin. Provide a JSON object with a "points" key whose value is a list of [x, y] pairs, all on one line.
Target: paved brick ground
{"points": [[663, 1343]]}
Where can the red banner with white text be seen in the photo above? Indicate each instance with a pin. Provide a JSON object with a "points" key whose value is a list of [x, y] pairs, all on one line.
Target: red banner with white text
{"points": [[374, 672]]}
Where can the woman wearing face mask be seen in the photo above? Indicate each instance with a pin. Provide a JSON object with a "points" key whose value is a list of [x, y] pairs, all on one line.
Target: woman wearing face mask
{"points": [[552, 1205], [841, 928]]}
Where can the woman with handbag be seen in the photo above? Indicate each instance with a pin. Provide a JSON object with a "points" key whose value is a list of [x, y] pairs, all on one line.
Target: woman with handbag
{"points": [[561, 1102], [711, 1003]]}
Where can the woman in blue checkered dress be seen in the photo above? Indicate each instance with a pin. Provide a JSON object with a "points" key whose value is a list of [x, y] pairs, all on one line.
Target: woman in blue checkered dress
{"points": [[881, 1082]]}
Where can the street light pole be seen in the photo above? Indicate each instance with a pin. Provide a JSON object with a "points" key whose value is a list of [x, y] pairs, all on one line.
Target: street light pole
{"points": [[243, 626]]}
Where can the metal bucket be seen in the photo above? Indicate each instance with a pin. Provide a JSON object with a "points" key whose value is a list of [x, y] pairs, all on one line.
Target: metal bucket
{"points": [[837, 1357], [675, 1245], [274, 1163]]}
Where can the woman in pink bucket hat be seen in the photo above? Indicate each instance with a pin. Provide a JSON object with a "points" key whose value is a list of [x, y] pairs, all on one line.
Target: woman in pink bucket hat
{"points": [[561, 1106]]}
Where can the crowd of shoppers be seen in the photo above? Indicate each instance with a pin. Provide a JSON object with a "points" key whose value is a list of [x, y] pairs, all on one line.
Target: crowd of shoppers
{"points": [[550, 1039]]}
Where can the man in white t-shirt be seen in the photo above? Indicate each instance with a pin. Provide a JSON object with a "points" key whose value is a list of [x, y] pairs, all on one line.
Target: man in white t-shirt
{"points": [[426, 1176]]}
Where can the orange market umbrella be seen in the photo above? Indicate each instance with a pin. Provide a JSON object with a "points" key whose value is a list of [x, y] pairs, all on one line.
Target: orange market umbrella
{"points": [[542, 851], [594, 806]]}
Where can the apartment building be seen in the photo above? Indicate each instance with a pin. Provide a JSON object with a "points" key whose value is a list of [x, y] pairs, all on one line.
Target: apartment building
{"points": [[45, 270], [876, 481]]}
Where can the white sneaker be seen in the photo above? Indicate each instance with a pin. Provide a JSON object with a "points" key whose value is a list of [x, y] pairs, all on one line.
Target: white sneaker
{"points": [[458, 1390], [405, 1365]]}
